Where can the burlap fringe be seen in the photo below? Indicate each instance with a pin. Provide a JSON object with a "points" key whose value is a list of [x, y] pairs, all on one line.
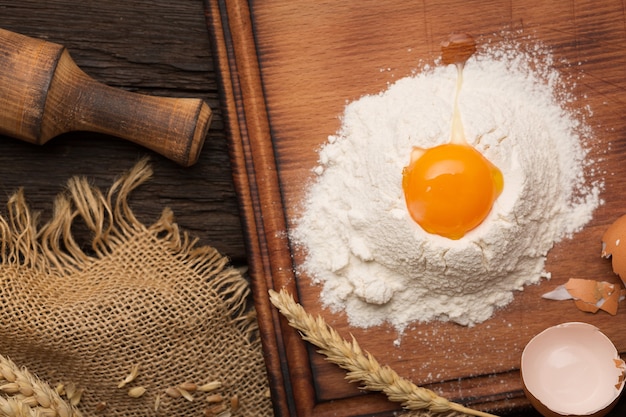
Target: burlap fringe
{"points": [[52, 249]]}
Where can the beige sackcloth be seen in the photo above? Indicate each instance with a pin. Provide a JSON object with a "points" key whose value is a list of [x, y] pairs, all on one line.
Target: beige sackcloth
{"points": [[80, 318]]}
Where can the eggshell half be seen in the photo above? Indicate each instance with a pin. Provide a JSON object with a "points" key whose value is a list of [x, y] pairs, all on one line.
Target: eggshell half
{"points": [[572, 369]]}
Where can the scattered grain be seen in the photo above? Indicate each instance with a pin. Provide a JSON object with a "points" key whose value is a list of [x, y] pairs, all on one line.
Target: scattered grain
{"points": [[234, 402], [101, 406], [157, 402], [209, 413], [173, 392], [186, 394], [132, 375], [188, 386], [215, 398], [75, 398], [217, 409], [70, 390], [136, 392], [211, 386]]}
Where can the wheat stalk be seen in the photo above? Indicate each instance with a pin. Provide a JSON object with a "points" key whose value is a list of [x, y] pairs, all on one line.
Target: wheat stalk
{"points": [[362, 366], [26, 395]]}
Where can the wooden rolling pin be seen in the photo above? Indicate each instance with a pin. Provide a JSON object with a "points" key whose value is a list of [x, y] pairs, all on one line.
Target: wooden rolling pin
{"points": [[43, 93]]}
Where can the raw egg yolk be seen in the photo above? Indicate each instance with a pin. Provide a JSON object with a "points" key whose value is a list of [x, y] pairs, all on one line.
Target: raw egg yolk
{"points": [[450, 189]]}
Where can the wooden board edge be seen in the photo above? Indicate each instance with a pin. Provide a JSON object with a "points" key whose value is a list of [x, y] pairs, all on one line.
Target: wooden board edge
{"points": [[250, 145]]}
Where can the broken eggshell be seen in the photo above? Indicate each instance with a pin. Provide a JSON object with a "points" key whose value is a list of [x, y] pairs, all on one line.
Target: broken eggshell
{"points": [[589, 295], [614, 246], [572, 369]]}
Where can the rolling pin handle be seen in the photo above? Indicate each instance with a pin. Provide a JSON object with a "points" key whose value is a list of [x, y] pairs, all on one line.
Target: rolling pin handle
{"points": [[173, 127], [45, 94]]}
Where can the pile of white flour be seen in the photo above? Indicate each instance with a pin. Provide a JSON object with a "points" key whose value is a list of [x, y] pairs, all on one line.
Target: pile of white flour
{"points": [[376, 264]]}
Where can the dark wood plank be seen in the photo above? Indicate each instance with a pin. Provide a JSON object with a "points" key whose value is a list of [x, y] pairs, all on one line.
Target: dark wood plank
{"points": [[155, 47]]}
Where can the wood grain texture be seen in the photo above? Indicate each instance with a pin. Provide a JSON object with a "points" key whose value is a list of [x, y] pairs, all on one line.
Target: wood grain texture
{"points": [[151, 47], [308, 59]]}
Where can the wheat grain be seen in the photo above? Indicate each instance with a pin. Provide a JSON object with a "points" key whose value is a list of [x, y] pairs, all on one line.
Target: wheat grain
{"points": [[76, 396], [26, 388], [173, 392], [136, 392], [23, 390], [157, 402], [101, 406], [70, 390], [42, 397], [362, 366], [188, 386], [186, 394], [7, 373], [132, 375], [10, 388], [210, 386], [234, 402], [215, 398], [12, 407], [218, 409], [29, 401]]}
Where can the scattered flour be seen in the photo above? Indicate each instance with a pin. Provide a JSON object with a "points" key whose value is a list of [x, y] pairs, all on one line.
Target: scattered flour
{"points": [[376, 264]]}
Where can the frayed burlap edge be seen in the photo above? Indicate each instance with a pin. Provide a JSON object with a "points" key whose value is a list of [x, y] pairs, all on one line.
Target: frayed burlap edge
{"points": [[52, 249]]}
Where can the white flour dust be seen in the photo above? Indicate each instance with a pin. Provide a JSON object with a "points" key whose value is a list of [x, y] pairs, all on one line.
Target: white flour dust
{"points": [[376, 264]]}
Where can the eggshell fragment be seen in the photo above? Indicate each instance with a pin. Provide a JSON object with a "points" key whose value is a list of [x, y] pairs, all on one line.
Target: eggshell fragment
{"points": [[589, 295], [572, 369], [614, 246], [593, 295]]}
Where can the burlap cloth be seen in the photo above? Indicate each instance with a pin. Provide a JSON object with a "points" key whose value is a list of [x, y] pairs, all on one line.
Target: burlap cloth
{"points": [[136, 296]]}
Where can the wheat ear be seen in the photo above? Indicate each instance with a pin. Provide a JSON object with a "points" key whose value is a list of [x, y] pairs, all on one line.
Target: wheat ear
{"points": [[361, 365], [26, 395]]}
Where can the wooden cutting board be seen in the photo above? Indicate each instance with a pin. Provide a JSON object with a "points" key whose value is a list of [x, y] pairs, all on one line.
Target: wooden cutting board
{"points": [[287, 69]]}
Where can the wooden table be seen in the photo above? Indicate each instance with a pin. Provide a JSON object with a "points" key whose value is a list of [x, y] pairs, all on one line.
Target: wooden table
{"points": [[157, 47], [150, 47]]}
